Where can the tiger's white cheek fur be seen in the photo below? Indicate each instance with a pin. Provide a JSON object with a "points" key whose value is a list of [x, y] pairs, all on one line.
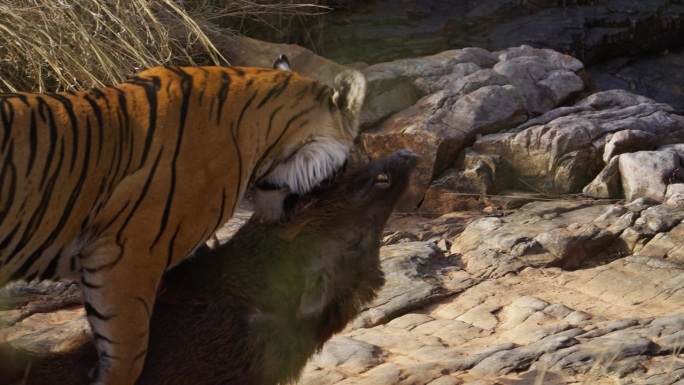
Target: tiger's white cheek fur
{"points": [[310, 165]]}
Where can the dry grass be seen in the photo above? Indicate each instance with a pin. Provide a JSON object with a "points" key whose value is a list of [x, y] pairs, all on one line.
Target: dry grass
{"points": [[48, 45]]}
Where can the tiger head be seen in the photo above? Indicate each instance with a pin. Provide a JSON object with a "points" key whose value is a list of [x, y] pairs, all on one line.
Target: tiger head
{"points": [[324, 139]]}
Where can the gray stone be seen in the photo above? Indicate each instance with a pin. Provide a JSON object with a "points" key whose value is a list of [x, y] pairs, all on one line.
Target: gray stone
{"points": [[629, 141], [562, 152], [641, 204], [348, 354], [466, 93], [516, 359], [674, 195], [387, 94], [607, 182], [600, 351], [527, 73], [411, 282], [655, 220], [539, 234], [572, 245], [647, 173], [667, 245]]}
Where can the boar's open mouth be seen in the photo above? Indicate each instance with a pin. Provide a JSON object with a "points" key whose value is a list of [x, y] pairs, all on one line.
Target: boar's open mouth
{"points": [[383, 179], [395, 169], [295, 204]]}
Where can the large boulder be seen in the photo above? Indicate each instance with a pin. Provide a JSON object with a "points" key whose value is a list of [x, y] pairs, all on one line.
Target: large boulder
{"points": [[611, 144], [467, 93], [563, 150]]}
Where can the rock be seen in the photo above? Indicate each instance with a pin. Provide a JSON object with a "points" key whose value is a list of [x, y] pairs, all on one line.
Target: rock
{"points": [[572, 245], [542, 84], [659, 227], [674, 195], [646, 173], [530, 333], [455, 191], [351, 355], [561, 152], [629, 141], [387, 95], [607, 182], [405, 228], [409, 287], [516, 359], [657, 76], [467, 93], [564, 234], [539, 234], [457, 69]]}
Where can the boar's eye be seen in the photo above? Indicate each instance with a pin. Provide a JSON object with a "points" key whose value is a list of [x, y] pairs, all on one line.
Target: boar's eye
{"points": [[382, 178]]}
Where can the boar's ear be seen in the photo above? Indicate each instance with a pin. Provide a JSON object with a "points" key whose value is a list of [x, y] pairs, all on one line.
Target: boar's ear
{"points": [[316, 293]]}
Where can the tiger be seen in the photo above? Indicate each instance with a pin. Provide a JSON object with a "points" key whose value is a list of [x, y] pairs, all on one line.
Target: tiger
{"points": [[112, 186]]}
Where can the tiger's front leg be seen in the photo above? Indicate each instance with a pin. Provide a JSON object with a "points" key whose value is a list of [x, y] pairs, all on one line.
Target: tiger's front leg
{"points": [[119, 284]]}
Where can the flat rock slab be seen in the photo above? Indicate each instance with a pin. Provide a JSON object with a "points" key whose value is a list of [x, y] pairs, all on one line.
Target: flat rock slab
{"points": [[516, 318], [496, 307], [412, 281]]}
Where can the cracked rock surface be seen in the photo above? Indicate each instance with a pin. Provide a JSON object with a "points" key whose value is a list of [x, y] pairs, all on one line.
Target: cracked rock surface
{"points": [[564, 292], [512, 312]]}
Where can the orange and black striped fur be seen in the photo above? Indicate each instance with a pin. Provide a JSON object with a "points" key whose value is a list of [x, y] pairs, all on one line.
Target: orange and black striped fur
{"points": [[113, 186]]}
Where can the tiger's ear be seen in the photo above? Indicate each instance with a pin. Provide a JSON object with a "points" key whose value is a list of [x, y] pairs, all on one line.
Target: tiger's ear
{"points": [[281, 63], [349, 93]]}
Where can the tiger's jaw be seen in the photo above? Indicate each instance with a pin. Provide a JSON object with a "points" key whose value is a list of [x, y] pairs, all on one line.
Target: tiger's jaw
{"points": [[298, 173]]}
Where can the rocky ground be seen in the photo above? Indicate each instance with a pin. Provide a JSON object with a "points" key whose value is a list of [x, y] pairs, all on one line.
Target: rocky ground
{"points": [[548, 294], [556, 292]]}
